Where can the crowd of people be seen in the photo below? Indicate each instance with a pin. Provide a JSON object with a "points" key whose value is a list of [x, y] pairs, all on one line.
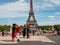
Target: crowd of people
{"points": [[16, 32]]}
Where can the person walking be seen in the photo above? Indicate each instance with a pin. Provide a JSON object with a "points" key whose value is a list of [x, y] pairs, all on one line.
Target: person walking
{"points": [[24, 31], [13, 32], [28, 31], [3, 33], [33, 32]]}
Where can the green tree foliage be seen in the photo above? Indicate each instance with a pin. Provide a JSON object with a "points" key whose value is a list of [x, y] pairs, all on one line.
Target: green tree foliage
{"points": [[21, 27], [4, 27], [45, 27], [7, 27], [57, 27]]}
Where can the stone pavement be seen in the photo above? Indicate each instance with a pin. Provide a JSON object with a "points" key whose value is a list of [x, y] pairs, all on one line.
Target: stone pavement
{"points": [[55, 40]]}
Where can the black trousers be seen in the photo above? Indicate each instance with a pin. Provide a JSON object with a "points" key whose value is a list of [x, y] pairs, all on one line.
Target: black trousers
{"points": [[24, 33], [28, 36]]}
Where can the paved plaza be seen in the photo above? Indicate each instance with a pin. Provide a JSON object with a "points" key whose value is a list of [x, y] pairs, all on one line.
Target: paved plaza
{"points": [[33, 40]]}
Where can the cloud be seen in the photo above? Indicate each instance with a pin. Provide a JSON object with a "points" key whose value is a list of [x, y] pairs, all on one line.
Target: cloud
{"points": [[56, 2], [44, 6], [21, 8], [49, 23], [51, 17], [48, 4], [3, 2], [22, 0], [12, 10], [18, 5], [57, 13], [9, 14]]}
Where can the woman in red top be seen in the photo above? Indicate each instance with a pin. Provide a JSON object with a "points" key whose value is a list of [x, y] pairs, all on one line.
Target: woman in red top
{"points": [[17, 32]]}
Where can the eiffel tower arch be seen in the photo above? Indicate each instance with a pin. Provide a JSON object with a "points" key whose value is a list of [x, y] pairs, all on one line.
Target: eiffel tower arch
{"points": [[32, 23]]}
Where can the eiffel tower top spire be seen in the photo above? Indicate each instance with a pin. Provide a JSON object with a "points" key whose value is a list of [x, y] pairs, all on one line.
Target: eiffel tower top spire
{"points": [[31, 6]]}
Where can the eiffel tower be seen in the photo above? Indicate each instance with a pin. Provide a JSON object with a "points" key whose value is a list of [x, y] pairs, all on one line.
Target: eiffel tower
{"points": [[32, 23]]}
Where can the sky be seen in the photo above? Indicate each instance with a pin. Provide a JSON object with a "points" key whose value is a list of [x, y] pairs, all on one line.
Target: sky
{"points": [[47, 12]]}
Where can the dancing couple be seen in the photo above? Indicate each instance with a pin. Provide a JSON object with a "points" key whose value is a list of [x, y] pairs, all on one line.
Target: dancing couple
{"points": [[15, 32]]}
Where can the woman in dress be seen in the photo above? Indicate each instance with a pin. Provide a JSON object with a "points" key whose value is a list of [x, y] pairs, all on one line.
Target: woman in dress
{"points": [[13, 32]]}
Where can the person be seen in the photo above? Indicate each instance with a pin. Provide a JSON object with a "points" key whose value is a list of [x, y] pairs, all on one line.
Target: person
{"points": [[41, 32], [28, 32], [24, 31], [3, 33], [17, 32], [33, 32], [13, 32]]}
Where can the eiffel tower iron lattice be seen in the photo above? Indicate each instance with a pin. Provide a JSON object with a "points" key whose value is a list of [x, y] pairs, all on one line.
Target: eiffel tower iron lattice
{"points": [[32, 23]]}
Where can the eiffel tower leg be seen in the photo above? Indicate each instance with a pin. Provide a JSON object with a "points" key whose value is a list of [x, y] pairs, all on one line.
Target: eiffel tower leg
{"points": [[34, 17], [29, 18]]}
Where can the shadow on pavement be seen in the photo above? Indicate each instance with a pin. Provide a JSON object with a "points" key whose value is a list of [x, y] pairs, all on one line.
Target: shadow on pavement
{"points": [[6, 40], [36, 43], [55, 39], [32, 43]]}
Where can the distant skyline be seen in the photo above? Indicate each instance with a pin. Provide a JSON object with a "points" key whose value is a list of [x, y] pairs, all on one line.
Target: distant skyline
{"points": [[47, 12]]}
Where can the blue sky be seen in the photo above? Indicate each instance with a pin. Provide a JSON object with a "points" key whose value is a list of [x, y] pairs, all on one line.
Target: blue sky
{"points": [[47, 12]]}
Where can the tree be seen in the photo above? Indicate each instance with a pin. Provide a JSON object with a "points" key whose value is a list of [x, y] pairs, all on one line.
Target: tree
{"points": [[57, 28], [4, 27], [45, 27], [21, 27]]}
